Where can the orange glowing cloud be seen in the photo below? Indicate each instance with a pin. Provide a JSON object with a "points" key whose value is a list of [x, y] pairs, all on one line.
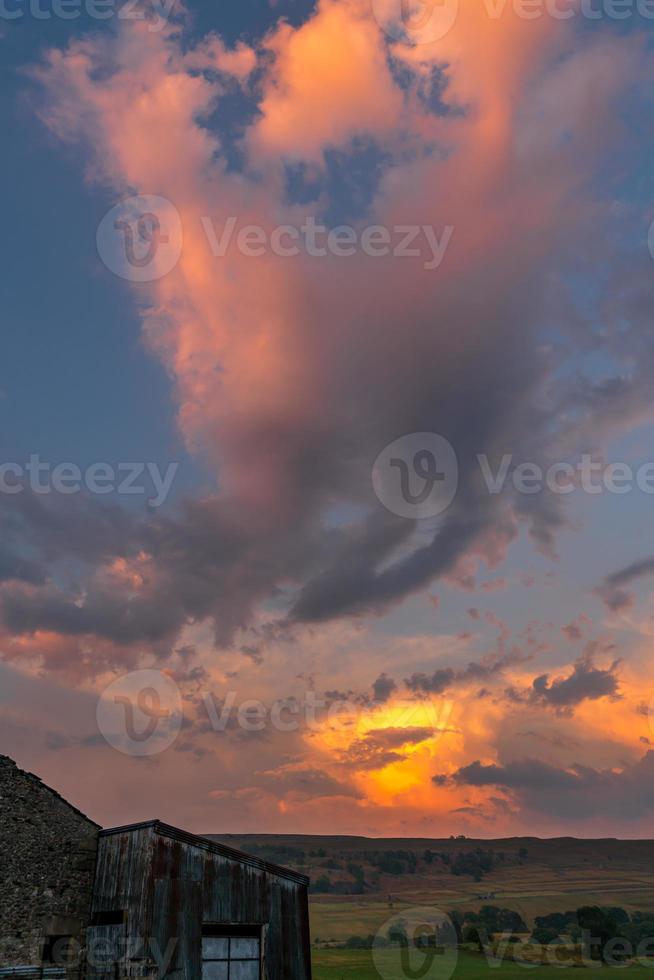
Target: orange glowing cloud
{"points": [[255, 346], [330, 82]]}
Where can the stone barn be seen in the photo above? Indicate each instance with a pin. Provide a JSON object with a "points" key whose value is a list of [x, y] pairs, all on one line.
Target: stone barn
{"points": [[146, 900], [47, 864]]}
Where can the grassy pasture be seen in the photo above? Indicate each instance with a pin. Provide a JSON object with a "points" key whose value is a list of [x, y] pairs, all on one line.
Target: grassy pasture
{"points": [[338, 964], [530, 876]]}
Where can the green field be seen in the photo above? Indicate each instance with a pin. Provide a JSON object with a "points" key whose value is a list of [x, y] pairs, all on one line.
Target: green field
{"points": [[374, 882], [339, 964]]}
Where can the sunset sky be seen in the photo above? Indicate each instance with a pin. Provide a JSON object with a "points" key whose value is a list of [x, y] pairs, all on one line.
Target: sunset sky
{"points": [[485, 669]]}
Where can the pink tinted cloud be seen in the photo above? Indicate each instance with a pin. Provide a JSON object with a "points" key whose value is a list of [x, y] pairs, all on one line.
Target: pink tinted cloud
{"points": [[292, 374]]}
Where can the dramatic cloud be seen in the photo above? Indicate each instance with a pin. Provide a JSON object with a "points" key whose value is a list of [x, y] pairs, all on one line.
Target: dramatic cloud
{"points": [[585, 682], [301, 780], [575, 630], [490, 668], [578, 792], [383, 687], [263, 387], [438, 682], [613, 592], [16, 569]]}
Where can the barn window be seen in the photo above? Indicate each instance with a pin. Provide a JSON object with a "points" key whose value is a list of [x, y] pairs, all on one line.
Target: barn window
{"points": [[231, 952]]}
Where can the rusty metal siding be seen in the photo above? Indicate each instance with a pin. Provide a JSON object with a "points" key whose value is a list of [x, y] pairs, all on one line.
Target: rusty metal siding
{"points": [[177, 925], [170, 883], [288, 951], [123, 878]]}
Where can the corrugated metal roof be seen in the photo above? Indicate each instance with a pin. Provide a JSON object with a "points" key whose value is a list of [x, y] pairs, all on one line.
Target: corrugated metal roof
{"points": [[166, 830]]}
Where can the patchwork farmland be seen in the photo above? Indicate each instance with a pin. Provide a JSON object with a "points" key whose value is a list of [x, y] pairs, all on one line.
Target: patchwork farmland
{"points": [[359, 884]]}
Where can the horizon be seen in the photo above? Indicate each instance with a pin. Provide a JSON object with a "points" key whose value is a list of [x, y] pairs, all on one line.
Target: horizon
{"points": [[290, 835]]}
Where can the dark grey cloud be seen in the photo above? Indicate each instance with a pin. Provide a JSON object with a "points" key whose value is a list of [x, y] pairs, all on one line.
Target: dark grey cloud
{"points": [[572, 631], [585, 683], [202, 563], [303, 781], [383, 687], [97, 611], [490, 668], [435, 683], [578, 792], [15, 568], [409, 387], [612, 591], [354, 585], [84, 528]]}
